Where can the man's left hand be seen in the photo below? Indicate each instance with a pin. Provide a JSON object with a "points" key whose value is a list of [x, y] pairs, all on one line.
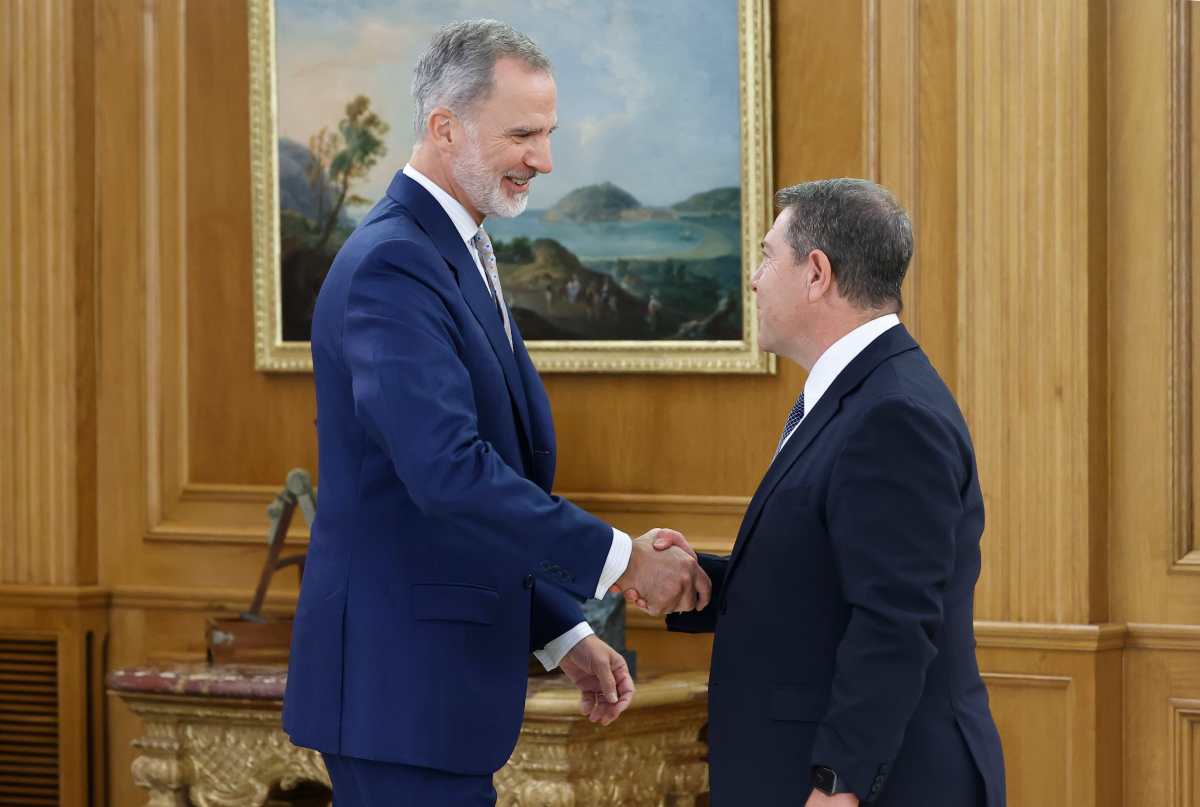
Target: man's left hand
{"points": [[819, 799], [605, 686]]}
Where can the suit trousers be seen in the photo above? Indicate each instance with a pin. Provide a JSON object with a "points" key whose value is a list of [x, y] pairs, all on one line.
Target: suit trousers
{"points": [[367, 783]]}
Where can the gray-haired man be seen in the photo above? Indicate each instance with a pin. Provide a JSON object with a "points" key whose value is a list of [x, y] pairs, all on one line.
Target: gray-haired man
{"points": [[439, 558]]}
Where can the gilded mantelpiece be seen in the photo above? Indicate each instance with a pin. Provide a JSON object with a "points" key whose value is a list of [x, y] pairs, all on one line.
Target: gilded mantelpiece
{"points": [[212, 738]]}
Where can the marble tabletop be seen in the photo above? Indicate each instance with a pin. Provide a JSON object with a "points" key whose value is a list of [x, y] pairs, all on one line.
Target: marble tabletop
{"points": [[266, 682]]}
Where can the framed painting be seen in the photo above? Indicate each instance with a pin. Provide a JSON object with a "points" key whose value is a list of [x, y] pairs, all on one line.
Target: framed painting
{"points": [[636, 252]]}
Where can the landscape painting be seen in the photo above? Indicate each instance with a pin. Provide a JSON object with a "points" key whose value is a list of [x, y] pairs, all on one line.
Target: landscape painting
{"points": [[632, 254]]}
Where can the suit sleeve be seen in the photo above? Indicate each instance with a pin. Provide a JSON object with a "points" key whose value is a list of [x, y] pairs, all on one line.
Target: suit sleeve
{"points": [[703, 621], [894, 503], [554, 613], [414, 396]]}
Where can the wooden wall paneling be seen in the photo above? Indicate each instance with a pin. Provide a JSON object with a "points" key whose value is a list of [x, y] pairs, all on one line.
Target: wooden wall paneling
{"points": [[910, 140], [1162, 716], [1034, 715], [9, 256], [260, 424], [1153, 169], [86, 303], [143, 137], [1056, 695], [659, 649], [893, 121], [1184, 88], [1149, 319], [1109, 743], [122, 441], [937, 203], [910, 129], [47, 300], [76, 618], [83, 636], [1028, 354], [165, 134], [1185, 752], [1096, 268]]}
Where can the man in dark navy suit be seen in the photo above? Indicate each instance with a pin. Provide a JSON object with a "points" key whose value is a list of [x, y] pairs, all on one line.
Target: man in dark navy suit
{"points": [[843, 668], [439, 558]]}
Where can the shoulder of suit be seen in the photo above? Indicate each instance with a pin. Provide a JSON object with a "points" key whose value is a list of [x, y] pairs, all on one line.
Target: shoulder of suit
{"points": [[400, 243], [903, 410]]}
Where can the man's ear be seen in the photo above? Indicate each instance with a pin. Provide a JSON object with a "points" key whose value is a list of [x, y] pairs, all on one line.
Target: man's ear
{"points": [[439, 127], [819, 274]]}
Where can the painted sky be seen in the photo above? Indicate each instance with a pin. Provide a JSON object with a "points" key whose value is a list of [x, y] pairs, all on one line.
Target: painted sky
{"points": [[647, 89]]}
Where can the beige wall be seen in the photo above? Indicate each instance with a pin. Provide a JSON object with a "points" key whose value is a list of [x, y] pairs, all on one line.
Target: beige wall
{"points": [[1044, 150]]}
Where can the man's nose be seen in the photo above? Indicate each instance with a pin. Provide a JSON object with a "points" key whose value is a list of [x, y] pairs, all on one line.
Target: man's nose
{"points": [[539, 158]]}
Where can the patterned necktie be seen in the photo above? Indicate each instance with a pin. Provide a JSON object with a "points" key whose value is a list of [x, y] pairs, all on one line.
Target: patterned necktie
{"points": [[793, 418], [487, 256]]}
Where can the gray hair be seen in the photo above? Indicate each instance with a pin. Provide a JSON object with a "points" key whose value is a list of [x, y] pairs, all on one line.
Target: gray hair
{"points": [[860, 227], [456, 70]]}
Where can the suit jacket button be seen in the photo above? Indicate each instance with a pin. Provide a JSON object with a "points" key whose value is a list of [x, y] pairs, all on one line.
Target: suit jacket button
{"points": [[527, 582]]}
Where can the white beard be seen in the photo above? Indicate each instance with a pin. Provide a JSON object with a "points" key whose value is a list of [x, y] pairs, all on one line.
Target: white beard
{"points": [[482, 185]]}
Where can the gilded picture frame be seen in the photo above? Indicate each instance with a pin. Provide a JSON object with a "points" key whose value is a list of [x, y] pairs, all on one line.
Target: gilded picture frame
{"points": [[736, 352]]}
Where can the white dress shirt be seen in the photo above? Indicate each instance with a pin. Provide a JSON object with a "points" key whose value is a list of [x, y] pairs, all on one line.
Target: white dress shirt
{"points": [[839, 355], [622, 546]]}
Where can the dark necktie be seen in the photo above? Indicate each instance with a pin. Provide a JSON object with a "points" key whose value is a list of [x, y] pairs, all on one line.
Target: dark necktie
{"points": [[793, 418]]}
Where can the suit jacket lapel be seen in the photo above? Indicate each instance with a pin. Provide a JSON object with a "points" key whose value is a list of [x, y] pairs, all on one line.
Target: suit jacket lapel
{"points": [[890, 343], [542, 437], [434, 221]]}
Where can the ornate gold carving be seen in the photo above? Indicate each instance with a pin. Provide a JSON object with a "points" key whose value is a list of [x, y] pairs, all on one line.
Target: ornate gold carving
{"points": [[238, 766], [161, 767], [212, 752], [639, 761], [197, 753]]}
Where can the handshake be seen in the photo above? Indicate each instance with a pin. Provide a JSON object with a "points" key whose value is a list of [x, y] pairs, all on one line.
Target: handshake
{"points": [[663, 575]]}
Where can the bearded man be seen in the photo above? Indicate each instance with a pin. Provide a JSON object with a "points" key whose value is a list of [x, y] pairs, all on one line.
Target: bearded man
{"points": [[439, 558]]}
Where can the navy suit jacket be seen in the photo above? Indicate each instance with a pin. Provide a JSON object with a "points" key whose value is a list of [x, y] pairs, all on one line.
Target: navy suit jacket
{"points": [[439, 559], [843, 618]]}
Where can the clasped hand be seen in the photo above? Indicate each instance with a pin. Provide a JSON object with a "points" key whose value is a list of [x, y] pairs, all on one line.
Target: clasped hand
{"points": [[663, 575]]}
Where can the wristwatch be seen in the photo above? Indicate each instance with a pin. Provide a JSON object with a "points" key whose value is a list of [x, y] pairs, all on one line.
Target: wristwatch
{"points": [[828, 782]]}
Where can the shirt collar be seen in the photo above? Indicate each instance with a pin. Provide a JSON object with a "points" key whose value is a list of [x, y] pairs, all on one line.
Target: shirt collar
{"points": [[840, 354], [462, 220]]}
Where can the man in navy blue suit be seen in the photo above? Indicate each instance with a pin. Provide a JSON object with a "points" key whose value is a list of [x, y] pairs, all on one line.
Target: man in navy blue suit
{"points": [[439, 558], [843, 668]]}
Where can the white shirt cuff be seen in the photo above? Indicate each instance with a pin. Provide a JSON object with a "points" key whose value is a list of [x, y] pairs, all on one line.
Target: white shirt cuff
{"points": [[614, 566], [616, 563], [553, 653]]}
